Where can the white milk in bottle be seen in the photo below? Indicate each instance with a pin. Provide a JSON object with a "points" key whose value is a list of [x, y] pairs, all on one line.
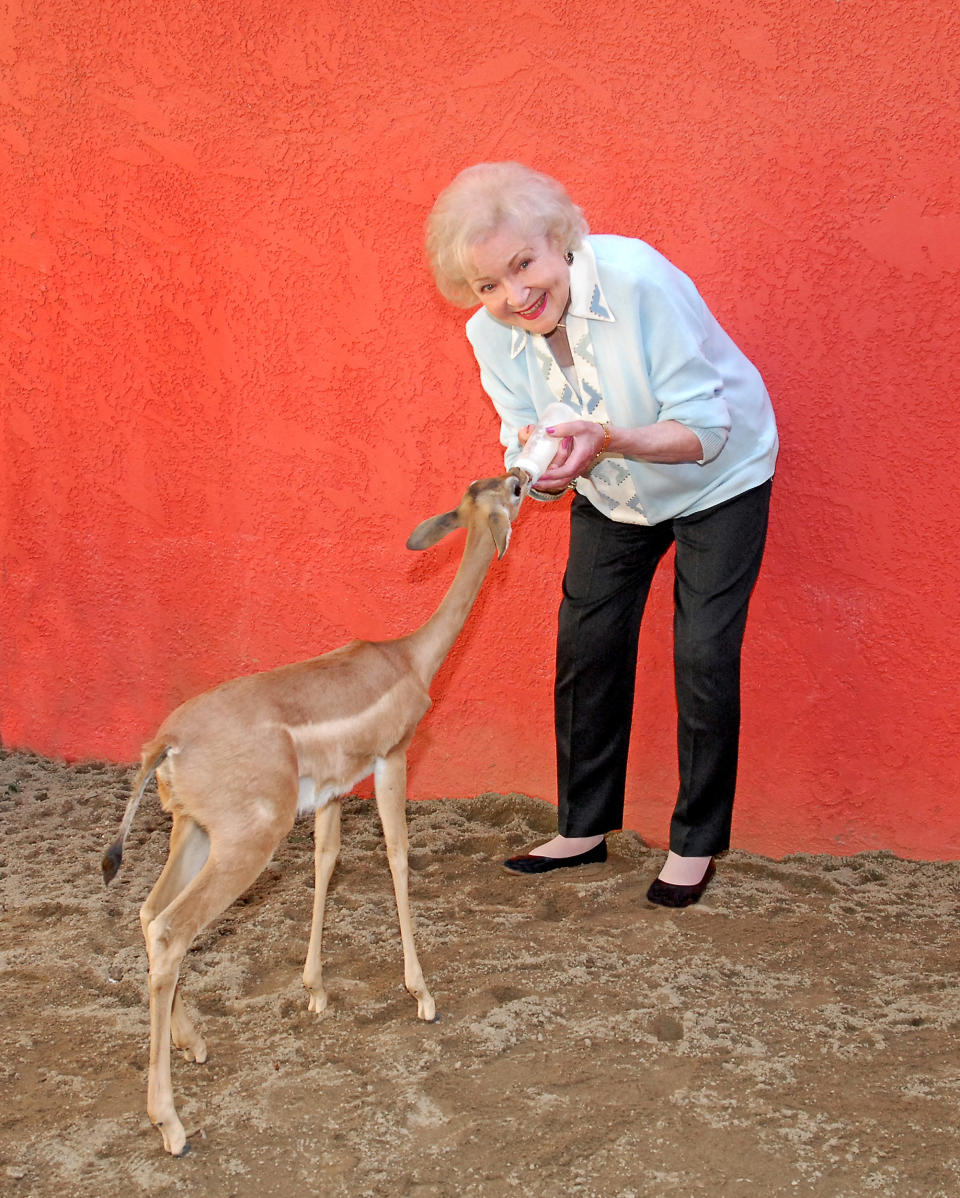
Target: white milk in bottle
{"points": [[541, 449]]}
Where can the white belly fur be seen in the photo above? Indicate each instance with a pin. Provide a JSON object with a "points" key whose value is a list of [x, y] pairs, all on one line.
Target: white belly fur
{"points": [[311, 797]]}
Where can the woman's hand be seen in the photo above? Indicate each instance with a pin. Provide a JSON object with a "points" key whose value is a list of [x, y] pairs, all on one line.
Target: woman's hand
{"points": [[580, 442], [667, 442]]}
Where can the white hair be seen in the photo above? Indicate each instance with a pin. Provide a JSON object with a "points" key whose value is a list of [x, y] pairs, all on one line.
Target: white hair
{"points": [[479, 202]]}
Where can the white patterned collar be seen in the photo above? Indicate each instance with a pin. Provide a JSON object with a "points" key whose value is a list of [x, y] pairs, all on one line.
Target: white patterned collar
{"points": [[586, 296]]}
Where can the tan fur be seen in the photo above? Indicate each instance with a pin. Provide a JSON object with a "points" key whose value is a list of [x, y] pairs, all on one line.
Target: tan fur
{"points": [[233, 764]]}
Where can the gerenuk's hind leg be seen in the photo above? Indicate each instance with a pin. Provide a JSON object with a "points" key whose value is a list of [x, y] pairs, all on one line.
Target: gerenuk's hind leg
{"points": [[222, 879], [390, 779], [326, 838], [189, 849]]}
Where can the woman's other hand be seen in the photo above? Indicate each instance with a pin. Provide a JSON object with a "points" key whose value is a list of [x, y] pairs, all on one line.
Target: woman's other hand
{"points": [[580, 442], [668, 442]]}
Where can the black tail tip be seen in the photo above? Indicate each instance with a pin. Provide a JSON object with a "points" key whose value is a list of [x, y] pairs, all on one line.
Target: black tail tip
{"points": [[110, 862]]}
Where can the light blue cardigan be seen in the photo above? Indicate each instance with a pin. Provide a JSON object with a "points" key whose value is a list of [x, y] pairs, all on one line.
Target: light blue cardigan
{"points": [[660, 355]]}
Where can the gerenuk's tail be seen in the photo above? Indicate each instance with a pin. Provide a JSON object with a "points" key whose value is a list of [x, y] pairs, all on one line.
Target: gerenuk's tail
{"points": [[152, 757]]}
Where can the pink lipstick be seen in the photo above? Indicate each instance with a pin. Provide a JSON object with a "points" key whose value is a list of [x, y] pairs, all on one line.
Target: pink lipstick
{"points": [[535, 310]]}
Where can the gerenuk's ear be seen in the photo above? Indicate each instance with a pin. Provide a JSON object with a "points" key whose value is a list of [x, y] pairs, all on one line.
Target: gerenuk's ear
{"points": [[433, 530], [500, 529]]}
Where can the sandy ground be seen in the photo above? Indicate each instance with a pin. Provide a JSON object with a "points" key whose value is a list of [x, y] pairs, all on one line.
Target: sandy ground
{"points": [[794, 1034]]}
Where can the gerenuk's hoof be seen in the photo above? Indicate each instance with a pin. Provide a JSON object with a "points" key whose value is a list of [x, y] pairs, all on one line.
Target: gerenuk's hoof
{"points": [[174, 1137], [318, 1002], [426, 1009]]}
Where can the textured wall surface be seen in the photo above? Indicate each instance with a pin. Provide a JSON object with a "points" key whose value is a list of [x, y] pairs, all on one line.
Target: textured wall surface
{"points": [[230, 390]]}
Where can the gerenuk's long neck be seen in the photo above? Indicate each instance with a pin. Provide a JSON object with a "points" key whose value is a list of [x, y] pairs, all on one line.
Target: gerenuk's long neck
{"points": [[432, 641]]}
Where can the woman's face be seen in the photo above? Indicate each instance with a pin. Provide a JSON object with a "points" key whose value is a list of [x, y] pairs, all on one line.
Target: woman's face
{"points": [[521, 280]]}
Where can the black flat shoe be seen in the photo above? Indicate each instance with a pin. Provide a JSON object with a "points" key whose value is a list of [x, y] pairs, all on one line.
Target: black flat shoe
{"points": [[528, 864], [666, 895]]}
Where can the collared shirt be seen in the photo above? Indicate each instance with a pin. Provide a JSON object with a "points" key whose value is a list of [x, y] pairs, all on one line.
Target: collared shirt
{"points": [[646, 349]]}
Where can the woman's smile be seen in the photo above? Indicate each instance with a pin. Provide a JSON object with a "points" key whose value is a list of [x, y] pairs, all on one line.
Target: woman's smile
{"points": [[536, 309]]}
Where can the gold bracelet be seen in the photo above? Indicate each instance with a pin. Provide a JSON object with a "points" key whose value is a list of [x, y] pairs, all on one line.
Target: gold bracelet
{"points": [[605, 425]]}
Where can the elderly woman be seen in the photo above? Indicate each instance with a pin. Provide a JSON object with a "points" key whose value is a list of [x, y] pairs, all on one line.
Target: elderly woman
{"points": [[676, 445]]}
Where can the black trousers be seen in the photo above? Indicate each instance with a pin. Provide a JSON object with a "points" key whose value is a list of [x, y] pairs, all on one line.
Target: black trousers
{"points": [[605, 587]]}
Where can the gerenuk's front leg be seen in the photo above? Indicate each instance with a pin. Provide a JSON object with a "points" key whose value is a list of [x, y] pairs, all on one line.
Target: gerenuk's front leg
{"points": [[326, 838], [390, 777]]}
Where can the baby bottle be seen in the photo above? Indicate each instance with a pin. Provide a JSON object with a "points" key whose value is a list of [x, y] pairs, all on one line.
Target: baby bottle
{"points": [[540, 449]]}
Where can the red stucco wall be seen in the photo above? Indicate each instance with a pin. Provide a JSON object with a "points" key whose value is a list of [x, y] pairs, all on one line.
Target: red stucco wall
{"points": [[231, 390]]}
